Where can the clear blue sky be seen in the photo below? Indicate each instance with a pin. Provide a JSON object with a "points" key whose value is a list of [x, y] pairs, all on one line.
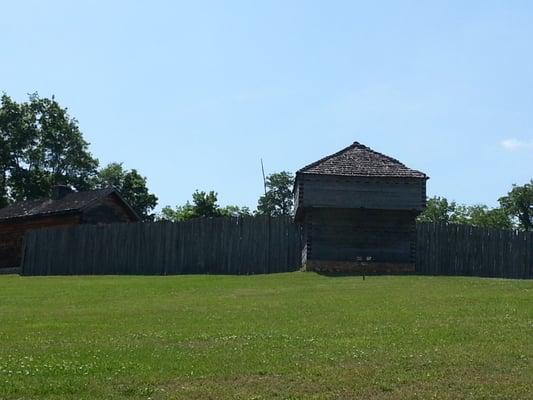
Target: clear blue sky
{"points": [[193, 94]]}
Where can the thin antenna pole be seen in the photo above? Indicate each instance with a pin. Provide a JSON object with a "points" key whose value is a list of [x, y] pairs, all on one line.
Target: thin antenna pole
{"points": [[264, 179]]}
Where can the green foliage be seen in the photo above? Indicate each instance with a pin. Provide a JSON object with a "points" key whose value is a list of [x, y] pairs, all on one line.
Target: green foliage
{"points": [[111, 175], [439, 209], [483, 216], [235, 211], [41, 145], [204, 204], [180, 213], [14, 129], [131, 185], [519, 205], [278, 336], [278, 199]]}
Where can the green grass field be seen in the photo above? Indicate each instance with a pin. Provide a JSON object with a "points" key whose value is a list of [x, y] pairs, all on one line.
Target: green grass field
{"points": [[284, 336]]}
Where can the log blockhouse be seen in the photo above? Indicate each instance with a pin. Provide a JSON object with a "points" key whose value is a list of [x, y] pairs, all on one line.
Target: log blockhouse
{"points": [[358, 209]]}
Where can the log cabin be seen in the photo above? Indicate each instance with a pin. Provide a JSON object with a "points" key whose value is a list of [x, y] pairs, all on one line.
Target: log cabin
{"points": [[64, 208], [358, 209]]}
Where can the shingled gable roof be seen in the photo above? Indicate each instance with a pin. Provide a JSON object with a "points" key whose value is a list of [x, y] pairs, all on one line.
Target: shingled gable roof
{"points": [[359, 160], [70, 203]]}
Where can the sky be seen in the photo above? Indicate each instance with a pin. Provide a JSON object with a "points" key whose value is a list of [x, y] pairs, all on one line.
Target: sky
{"points": [[193, 94]]}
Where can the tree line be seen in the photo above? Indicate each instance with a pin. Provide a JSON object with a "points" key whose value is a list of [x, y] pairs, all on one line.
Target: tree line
{"points": [[276, 201], [41, 145], [515, 211]]}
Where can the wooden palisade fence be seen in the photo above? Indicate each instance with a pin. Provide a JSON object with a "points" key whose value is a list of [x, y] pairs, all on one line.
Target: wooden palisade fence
{"points": [[249, 245], [469, 251], [254, 245]]}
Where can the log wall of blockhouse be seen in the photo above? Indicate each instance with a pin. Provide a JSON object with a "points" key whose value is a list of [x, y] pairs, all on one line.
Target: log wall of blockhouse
{"points": [[329, 191], [349, 234]]}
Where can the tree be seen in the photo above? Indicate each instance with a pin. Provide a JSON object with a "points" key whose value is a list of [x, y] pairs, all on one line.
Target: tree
{"points": [[439, 209], [519, 205], [13, 130], [180, 213], [235, 211], [278, 199], [41, 145], [131, 185], [204, 204], [483, 216]]}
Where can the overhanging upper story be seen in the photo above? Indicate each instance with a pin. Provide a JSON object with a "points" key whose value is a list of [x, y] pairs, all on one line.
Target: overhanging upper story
{"points": [[359, 177]]}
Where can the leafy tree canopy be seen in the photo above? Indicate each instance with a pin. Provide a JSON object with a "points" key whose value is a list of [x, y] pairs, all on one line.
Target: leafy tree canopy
{"points": [[519, 205], [40, 146], [204, 204], [439, 209], [235, 211], [483, 216], [179, 213], [278, 199], [131, 185]]}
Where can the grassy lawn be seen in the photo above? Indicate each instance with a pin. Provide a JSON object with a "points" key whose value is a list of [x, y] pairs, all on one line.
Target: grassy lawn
{"points": [[284, 336]]}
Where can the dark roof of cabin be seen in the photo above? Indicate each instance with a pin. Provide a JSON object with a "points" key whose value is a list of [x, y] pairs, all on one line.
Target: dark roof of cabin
{"points": [[359, 160], [71, 202]]}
